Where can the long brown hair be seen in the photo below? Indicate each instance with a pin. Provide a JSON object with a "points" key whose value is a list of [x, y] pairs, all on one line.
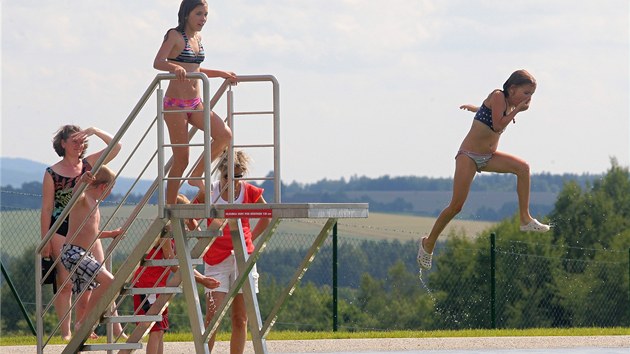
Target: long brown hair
{"points": [[518, 78], [185, 8]]}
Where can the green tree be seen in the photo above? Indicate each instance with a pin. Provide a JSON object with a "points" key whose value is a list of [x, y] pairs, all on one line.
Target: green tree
{"points": [[591, 218]]}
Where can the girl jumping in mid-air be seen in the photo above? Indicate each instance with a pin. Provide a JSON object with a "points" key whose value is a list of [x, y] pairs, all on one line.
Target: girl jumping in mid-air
{"points": [[478, 152], [181, 53]]}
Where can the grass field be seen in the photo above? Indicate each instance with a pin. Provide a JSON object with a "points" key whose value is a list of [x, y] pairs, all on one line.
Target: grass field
{"points": [[290, 335], [377, 226]]}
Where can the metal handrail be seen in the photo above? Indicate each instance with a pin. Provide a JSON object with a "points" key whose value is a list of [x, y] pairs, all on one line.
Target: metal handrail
{"points": [[155, 86], [276, 134]]}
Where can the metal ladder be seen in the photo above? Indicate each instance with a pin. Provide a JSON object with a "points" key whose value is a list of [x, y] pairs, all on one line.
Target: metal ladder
{"points": [[149, 237], [187, 254]]}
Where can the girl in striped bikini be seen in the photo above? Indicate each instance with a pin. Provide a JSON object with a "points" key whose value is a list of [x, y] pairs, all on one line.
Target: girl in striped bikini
{"points": [[181, 53]]}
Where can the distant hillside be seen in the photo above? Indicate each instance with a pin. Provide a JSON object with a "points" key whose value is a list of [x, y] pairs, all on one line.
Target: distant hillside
{"points": [[492, 197], [16, 171]]}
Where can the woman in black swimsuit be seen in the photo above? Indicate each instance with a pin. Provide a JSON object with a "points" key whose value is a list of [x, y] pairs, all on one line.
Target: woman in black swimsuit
{"points": [[70, 143]]}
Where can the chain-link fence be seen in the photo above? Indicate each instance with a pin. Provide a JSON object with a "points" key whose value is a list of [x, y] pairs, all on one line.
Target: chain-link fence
{"points": [[518, 283]]}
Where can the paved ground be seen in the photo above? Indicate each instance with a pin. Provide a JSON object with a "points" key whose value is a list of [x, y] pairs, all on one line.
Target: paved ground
{"points": [[388, 344]]}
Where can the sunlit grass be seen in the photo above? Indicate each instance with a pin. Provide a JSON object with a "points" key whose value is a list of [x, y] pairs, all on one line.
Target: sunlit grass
{"points": [[292, 335]]}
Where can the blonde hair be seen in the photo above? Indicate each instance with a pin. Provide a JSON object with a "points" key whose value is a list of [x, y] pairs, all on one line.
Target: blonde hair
{"points": [[241, 161], [104, 176]]}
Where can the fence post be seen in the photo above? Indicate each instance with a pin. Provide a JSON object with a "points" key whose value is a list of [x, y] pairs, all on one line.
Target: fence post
{"points": [[334, 278], [628, 285], [493, 295], [19, 301]]}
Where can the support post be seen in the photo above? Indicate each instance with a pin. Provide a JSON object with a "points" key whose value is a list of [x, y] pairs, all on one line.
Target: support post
{"points": [[493, 295], [334, 280], [5, 274], [189, 286], [254, 319]]}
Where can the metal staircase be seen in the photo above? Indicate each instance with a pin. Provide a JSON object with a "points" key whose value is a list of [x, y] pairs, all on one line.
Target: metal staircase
{"points": [[190, 245]]}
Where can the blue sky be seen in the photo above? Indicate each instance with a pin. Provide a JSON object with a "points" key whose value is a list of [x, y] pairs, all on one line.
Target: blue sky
{"points": [[368, 88]]}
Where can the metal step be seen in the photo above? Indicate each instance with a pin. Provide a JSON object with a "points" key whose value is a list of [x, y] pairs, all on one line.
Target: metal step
{"points": [[147, 291], [204, 233], [132, 319], [111, 346], [209, 233], [167, 262]]}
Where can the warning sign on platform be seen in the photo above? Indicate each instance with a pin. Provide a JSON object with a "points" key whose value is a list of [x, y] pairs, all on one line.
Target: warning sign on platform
{"points": [[250, 213]]}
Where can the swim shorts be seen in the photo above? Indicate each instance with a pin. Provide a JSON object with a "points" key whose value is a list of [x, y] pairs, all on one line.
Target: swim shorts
{"points": [[88, 267]]}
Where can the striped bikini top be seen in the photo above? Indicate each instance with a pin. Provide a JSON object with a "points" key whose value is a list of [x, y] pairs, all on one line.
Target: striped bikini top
{"points": [[188, 55]]}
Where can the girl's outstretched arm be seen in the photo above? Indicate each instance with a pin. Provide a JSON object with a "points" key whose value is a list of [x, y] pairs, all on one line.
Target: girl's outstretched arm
{"points": [[469, 107], [219, 73]]}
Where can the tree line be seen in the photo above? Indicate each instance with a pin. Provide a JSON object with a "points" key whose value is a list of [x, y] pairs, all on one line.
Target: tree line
{"points": [[574, 276], [335, 191]]}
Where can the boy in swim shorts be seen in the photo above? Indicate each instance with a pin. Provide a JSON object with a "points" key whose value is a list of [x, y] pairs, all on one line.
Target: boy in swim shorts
{"points": [[80, 238]]}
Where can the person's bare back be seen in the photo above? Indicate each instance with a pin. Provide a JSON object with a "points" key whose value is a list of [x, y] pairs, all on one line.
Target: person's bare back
{"points": [[84, 220], [85, 217]]}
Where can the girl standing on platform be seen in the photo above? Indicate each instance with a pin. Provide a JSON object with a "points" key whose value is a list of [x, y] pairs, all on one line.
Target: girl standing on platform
{"points": [[181, 52], [220, 259], [478, 152]]}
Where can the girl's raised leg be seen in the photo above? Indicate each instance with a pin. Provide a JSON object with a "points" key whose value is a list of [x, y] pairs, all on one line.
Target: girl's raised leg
{"points": [[221, 136], [177, 124]]}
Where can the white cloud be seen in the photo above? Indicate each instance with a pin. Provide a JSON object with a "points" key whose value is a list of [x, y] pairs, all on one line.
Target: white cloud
{"points": [[367, 87]]}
